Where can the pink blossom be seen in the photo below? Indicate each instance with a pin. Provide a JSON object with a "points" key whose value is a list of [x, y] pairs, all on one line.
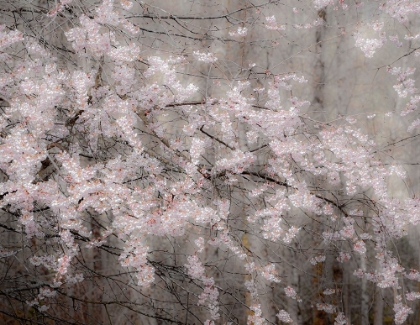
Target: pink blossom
{"points": [[63, 264], [401, 313], [343, 257], [328, 292], [359, 247], [291, 293], [271, 24], [412, 295], [205, 57], [317, 259], [284, 317], [328, 308], [240, 32], [340, 319]]}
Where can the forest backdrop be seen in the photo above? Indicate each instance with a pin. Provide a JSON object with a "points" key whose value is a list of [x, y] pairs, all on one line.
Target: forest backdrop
{"points": [[209, 162]]}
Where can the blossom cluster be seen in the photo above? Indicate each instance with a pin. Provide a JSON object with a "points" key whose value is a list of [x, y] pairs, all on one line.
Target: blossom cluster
{"points": [[136, 145], [210, 294]]}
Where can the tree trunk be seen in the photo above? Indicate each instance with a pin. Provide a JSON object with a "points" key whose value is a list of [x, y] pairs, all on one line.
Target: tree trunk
{"points": [[364, 309]]}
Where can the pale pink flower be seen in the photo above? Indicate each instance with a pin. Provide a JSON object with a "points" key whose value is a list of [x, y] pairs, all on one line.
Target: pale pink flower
{"points": [[284, 317]]}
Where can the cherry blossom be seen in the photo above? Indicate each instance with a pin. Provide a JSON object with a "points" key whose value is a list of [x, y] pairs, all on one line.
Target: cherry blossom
{"points": [[284, 316], [125, 148]]}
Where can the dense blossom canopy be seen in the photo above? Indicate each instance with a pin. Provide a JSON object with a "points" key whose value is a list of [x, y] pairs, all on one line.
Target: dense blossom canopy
{"points": [[105, 149]]}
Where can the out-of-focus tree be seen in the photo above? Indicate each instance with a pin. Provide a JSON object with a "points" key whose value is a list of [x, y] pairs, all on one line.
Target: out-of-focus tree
{"points": [[215, 162]]}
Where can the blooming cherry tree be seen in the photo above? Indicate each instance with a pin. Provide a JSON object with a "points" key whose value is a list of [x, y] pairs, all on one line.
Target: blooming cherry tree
{"points": [[201, 185]]}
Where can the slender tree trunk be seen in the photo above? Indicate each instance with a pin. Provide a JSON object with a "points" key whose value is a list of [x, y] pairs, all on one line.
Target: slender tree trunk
{"points": [[294, 308], [364, 310], [379, 307], [346, 294]]}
